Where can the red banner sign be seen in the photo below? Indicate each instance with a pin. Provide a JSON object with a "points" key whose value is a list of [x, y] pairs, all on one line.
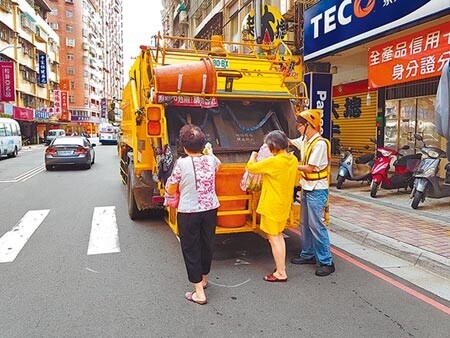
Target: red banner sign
{"points": [[7, 87], [24, 114], [414, 57], [64, 106]]}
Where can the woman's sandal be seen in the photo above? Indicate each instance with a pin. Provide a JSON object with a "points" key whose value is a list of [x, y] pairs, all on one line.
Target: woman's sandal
{"points": [[189, 297]]}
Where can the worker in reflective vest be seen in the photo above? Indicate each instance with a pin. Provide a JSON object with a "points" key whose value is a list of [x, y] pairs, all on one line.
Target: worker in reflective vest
{"points": [[314, 168]]}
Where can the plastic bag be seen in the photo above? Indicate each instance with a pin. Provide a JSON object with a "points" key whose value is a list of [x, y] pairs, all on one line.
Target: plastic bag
{"points": [[253, 182], [172, 201]]}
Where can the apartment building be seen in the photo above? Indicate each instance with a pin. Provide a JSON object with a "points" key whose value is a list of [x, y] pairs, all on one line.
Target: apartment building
{"points": [[29, 55], [91, 56]]}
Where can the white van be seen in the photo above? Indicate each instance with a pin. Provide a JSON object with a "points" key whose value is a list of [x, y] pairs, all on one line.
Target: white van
{"points": [[107, 133], [10, 137], [54, 133]]}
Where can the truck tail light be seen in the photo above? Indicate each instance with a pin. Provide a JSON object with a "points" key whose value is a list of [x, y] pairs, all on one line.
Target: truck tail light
{"points": [[154, 128], [154, 114]]}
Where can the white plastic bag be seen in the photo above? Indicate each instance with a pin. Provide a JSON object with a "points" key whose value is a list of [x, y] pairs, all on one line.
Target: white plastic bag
{"points": [[253, 182]]}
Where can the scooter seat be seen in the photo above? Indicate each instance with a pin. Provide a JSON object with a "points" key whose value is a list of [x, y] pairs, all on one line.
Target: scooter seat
{"points": [[365, 158], [360, 170], [403, 161]]}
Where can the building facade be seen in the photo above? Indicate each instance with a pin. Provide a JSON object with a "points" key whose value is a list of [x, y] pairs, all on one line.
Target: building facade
{"points": [[31, 47], [91, 58], [66, 58]]}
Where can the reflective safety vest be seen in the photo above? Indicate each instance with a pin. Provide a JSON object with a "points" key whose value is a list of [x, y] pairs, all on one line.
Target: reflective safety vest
{"points": [[317, 175]]}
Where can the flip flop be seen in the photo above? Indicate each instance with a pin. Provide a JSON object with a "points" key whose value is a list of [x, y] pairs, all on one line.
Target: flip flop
{"points": [[273, 279], [189, 297]]}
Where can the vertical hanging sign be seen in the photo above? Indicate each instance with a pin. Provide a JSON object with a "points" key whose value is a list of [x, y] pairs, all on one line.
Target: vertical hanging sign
{"points": [[57, 103], [42, 79], [64, 106], [7, 87], [320, 97]]}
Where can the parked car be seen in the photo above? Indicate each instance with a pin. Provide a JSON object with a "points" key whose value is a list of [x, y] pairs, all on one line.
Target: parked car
{"points": [[70, 151], [54, 133]]}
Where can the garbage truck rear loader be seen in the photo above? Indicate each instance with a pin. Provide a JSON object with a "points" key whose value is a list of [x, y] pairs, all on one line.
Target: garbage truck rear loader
{"points": [[235, 98]]}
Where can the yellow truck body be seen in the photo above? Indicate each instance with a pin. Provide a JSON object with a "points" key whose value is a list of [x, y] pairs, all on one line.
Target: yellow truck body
{"points": [[236, 98]]}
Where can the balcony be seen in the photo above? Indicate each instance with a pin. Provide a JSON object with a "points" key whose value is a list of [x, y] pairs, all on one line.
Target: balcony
{"points": [[40, 34]]}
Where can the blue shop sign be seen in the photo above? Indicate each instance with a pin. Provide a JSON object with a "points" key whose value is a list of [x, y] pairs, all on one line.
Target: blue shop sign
{"points": [[42, 79], [331, 25], [320, 95], [41, 114]]}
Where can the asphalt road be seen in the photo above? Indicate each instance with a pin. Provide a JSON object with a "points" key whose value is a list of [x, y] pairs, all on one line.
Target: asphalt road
{"points": [[54, 288]]}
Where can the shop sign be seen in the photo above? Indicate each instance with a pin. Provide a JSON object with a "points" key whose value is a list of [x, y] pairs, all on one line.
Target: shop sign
{"points": [[103, 108], [21, 113], [42, 78], [332, 25], [64, 106], [7, 86], [320, 97], [273, 26], [6, 108], [78, 118], [414, 57], [41, 114], [57, 109]]}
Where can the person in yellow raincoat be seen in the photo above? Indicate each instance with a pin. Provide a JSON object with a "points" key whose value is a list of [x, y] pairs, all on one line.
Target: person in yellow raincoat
{"points": [[279, 178]]}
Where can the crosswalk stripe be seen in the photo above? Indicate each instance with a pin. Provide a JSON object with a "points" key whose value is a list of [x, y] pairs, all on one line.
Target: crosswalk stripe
{"points": [[14, 240], [104, 236]]}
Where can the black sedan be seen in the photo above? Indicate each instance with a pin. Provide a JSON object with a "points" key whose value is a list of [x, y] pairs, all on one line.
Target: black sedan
{"points": [[70, 151]]}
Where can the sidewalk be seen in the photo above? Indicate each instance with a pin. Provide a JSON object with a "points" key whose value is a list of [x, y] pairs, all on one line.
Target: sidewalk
{"points": [[388, 223]]}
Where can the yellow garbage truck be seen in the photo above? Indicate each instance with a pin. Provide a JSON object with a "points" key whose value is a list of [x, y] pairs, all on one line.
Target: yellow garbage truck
{"points": [[236, 93]]}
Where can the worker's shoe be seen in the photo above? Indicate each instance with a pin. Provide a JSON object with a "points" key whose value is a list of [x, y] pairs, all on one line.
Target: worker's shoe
{"points": [[325, 270], [301, 260]]}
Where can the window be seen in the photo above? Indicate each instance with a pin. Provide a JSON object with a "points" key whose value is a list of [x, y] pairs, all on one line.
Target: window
{"points": [[70, 56], [70, 42], [69, 14], [71, 99], [72, 84], [69, 28], [54, 12], [54, 25], [71, 70]]}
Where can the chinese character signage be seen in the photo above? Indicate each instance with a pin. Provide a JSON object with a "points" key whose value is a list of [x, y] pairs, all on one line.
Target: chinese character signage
{"points": [[189, 101], [64, 106], [57, 109], [42, 78], [333, 25], [414, 57], [103, 108], [24, 114], [7, 87]]}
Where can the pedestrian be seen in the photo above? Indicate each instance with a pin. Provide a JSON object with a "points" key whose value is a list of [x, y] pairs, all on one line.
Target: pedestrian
{"points": [[314, 168], [194, 177], [279, 174]]}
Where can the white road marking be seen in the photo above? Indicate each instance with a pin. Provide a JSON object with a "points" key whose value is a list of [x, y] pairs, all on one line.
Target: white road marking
{"points": [[25, 176], [14, 240], [104, 232]]}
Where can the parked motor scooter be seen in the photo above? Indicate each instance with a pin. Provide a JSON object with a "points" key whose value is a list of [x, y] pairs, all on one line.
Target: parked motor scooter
{"points": [[427, 183], [404, 167], [354, 169]]}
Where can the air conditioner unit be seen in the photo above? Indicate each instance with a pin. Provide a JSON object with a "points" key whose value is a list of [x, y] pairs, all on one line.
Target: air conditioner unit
{"points": [[183, 17]]}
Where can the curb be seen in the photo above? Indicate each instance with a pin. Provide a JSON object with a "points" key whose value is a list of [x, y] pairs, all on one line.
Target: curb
{"points": [[419, 257]]}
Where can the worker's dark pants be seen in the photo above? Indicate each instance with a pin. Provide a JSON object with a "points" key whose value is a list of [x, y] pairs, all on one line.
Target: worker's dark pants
{"points": [[197, 232]]}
